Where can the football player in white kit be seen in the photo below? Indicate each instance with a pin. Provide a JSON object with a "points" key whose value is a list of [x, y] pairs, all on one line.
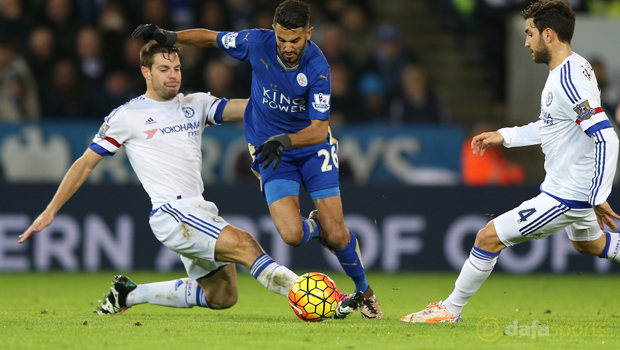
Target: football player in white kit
{"points": [[581, 150], [162, 133]]}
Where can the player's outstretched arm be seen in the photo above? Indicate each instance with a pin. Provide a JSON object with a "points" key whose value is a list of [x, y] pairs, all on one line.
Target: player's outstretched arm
{"points": [[234, 110], [605, 215], [193, 37], [480, 143], [198, 37], [74, 178]]}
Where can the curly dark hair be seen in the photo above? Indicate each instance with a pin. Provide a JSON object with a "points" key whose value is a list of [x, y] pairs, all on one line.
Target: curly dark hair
{"points": [[555, 14], [150, 49], [292, 14]]}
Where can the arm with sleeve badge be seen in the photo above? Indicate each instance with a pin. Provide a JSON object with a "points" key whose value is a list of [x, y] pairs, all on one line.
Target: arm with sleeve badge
{"points": [[236, 44], [593, 121], [520, 136]]}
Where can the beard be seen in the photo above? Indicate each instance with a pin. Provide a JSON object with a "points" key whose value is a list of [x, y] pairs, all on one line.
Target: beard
{"points": [[289, 60], [166, 94], [543, 55]]}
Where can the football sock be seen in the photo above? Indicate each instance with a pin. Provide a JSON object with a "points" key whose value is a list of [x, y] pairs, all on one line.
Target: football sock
{"points": [[475, 271], [612, 247], [273, 276], [351, 262], [181, 293], [310, 228]]}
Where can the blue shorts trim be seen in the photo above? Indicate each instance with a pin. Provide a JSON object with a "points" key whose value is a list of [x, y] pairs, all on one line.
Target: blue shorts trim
{"points": [[573, 204], [280, 188], [326, 193]]}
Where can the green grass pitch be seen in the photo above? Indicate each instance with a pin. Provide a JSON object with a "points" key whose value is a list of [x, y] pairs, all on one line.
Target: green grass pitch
{"points": [[54, 311]]}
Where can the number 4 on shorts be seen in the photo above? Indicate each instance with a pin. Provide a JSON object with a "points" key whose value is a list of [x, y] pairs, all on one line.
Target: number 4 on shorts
{"points": [[524, 214]]}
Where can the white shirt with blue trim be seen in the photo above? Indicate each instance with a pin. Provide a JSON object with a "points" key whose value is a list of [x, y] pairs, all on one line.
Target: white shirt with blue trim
{"points": [[163, 142], [579, 143]]}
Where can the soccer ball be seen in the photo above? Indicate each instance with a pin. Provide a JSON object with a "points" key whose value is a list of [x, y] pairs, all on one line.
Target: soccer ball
{"points": [[313, 297]]}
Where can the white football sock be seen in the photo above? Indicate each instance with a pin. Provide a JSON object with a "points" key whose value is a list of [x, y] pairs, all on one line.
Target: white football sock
{"points": [[273, 276], [612, 247], [475, 271], [181, 293]]}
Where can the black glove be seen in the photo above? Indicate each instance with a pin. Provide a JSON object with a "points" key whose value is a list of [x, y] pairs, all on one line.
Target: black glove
{"points": [[272, 149], [153, 32]]}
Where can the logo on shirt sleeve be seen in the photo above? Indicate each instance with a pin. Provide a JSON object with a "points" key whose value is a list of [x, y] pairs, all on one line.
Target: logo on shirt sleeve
{"points": [[321, 102], [584, 111], [230, 40], [102, 130]]}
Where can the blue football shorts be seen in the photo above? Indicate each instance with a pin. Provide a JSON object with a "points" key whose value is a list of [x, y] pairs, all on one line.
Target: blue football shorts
{"points": [[314, 167]]}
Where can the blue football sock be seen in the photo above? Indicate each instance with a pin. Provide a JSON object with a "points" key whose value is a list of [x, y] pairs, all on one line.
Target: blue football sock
{"points": [[351, 262], [310, 228]]}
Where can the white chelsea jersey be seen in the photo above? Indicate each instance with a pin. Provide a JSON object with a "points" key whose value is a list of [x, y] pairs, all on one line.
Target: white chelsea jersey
{"points": [[579, 143], [163, 141]]}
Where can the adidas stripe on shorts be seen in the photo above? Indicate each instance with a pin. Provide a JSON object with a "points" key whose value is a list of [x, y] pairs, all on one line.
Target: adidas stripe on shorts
{"points": [[190, 227], [542, 216]]}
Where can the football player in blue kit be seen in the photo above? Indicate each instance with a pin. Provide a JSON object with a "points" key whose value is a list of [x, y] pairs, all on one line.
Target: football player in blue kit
{"points": [[286, 126]]}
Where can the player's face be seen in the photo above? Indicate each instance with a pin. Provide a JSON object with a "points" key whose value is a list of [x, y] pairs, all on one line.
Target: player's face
{"points": [[164, 77], [535, 42], [292, 42]]}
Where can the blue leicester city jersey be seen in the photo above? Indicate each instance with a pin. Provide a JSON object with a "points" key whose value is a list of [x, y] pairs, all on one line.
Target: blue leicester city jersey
{"points": [[284, 99]]}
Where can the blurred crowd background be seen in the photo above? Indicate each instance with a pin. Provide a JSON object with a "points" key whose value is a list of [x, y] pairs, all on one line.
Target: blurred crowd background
{"points": [[75, 59]]}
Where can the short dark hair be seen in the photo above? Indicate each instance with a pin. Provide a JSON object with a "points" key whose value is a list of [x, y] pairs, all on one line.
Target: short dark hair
{"points": [[150, 49], [555, 14], [292, 14]]}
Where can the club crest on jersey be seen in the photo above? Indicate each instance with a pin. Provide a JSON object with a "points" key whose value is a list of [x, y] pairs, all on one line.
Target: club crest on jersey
{"points": [[549, 98], [302, 80], [584, 111], [102, 130], [321, 102], [188, 112], [230, 40]]}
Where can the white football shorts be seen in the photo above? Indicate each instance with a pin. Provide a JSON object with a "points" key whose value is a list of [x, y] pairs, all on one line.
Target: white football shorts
{"points": [[543, 216], [190, 227]]}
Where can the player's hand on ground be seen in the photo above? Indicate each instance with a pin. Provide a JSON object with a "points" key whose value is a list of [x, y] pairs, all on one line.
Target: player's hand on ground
{"points": [[153, 32], [606, 215], [480, 143], [272, 150], [43, 221]]}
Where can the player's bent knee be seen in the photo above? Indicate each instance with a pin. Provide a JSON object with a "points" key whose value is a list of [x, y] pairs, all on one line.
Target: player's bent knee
{"points": [[236, 245], [225, 303], [247, 242], [488, 240]]}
